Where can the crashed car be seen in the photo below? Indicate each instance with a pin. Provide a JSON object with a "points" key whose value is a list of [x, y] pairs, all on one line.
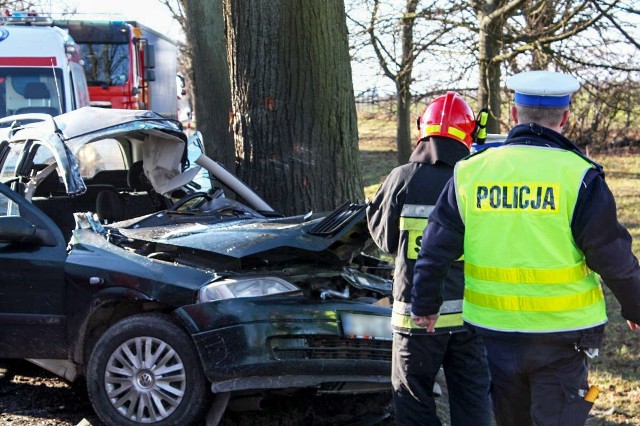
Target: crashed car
{"points": [[134, 260]]}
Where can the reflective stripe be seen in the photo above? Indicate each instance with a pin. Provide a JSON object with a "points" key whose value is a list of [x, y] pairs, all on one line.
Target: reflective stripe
{"points": [[449, 306], [416, 210], [527, 275], [414, 219], [434, 128], [533, 303], [445, 321], [457, 132], [413, 224]]}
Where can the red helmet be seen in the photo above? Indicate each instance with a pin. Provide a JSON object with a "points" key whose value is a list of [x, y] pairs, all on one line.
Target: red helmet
{"points": [[449, 116]]}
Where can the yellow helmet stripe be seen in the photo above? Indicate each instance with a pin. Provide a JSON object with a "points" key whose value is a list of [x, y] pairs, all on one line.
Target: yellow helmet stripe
{"points": [[457, 133], [433, 128]]}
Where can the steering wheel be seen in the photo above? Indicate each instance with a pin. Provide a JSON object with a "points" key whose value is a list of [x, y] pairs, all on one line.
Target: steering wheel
{"points": [[187, 198]]}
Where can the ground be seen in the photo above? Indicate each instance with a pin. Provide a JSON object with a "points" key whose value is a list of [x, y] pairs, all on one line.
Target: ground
{"points": [[30, 396]]}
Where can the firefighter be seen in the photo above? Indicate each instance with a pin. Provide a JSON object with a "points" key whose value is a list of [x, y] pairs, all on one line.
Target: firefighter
{"points": [[537, 222], [397, 217]]}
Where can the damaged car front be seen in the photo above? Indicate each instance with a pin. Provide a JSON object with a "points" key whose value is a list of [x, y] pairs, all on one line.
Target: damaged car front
{"points": [[210, 291], [292, 301]]}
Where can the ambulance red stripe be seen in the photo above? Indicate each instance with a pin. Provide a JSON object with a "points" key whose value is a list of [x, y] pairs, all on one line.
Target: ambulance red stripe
{"points": [[28, 61]]}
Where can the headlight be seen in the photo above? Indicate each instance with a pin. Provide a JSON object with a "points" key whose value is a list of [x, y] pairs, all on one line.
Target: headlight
{"points": [[252, 287]]}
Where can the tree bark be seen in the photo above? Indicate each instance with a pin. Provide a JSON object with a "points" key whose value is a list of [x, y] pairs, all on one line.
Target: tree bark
{"points": [[294, 116], [489, 44], [403, 84], [212, 89]]}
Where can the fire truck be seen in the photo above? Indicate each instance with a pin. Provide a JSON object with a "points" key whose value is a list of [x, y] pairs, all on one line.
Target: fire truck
{"points": [[127, 64], [40, 69]]}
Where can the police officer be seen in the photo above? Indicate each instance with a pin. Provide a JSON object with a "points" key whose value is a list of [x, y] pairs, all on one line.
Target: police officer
{"points": [[536, 221], [397, 217]]}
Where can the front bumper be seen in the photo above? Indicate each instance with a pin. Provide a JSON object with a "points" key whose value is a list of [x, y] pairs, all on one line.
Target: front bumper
{"points": [[268, 343]]}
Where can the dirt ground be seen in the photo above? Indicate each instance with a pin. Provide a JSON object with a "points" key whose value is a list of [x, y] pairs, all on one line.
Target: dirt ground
{"points": [[30, 396]]}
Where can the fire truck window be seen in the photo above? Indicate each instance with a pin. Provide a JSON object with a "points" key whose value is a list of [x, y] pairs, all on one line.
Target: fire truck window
{"points": [[105, 154], [105, 64]]}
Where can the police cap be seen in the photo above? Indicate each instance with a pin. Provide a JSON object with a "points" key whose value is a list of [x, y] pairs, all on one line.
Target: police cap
{"points": [[544, 89]]}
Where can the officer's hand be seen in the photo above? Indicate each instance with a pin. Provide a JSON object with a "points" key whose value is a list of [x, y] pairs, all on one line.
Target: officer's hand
{"points": [[428, 322], [632, 325]]}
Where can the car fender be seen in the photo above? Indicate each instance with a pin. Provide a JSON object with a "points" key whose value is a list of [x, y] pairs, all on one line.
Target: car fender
{"points": [[102, 301]]}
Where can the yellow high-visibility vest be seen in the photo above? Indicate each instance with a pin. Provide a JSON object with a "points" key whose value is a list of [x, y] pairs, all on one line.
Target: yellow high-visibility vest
{"points": [[413, 220], [523, 270]]}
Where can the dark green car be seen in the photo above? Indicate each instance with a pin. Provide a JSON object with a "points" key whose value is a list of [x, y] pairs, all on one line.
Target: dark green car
{"points": [[171, 282]]}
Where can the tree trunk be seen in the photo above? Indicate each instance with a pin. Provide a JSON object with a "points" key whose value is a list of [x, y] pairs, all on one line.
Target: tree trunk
{"points": [[489, 44], [212, 89], [403, 84], [294, 116], [403, 131]]}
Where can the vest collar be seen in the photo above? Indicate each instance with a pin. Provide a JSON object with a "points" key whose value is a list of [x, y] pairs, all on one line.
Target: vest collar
{"points": [[534, 134]]}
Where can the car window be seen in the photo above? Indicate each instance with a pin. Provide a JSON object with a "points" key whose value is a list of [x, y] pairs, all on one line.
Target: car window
{"points": [[43, 155], [194, 150], [8, 207], [100, 155], [9, 165]]}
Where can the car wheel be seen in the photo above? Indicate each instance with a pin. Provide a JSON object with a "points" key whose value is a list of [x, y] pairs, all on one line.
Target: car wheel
{"points": [[145, 370]]}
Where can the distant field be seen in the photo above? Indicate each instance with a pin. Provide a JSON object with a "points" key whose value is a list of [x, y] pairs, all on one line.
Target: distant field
{"points": [[617, 370]]}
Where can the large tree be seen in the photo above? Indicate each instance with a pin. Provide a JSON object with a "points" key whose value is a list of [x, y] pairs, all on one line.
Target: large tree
{"points": [[294, 118], [205, 30]]}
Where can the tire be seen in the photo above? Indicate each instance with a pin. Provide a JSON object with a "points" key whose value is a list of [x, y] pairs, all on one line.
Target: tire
{"points": [[125, 391]]}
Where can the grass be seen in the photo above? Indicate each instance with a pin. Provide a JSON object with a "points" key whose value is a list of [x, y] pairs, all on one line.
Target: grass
{"points": [[616, 371]]}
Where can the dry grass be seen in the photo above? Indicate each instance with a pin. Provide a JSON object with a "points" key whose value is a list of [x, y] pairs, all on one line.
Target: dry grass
{"points": [[616, 370]]}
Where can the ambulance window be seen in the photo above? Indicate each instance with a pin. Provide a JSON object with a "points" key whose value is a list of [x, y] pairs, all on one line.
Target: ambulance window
{"points": [[101, 155], [25, 90]]}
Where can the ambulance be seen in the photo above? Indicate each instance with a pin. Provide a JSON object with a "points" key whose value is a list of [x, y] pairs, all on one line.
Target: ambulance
{"points": [[40, 69]]}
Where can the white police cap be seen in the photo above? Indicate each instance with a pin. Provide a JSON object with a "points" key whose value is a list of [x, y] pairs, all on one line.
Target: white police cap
{"points": [[543, 88]]}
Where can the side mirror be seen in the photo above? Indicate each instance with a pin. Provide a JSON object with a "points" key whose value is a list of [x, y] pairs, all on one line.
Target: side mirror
{"points": [[15, 229], [150, 75], [149, 56], [134, 91]]}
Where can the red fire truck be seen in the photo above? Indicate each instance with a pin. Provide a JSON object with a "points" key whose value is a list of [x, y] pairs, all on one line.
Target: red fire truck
{"points": [[127, 64]]}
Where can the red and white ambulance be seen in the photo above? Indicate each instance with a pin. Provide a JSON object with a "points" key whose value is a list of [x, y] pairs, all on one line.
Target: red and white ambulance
{"points": [[40, 70]]}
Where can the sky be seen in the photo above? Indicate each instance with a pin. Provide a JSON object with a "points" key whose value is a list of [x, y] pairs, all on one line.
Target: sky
{"points": [[148, 12]]}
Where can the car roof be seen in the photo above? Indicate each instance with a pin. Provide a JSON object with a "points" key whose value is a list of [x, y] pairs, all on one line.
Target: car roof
{"points": [[89, 120], [66, 133]]}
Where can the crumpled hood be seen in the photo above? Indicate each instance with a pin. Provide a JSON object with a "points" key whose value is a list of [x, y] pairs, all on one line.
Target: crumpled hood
{"points": [[249, 237]]}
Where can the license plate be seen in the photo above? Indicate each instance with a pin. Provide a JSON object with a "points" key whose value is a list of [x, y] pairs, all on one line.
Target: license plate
{"points": [[361, 326]]}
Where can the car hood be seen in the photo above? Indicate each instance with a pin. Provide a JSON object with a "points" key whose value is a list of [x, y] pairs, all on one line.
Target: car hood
{"points": [[340, 235]]}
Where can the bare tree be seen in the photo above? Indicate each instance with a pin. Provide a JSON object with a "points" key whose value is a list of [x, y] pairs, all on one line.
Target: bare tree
{"points": [[8, 6], [498, 36], [294, 115], [400, 38]]}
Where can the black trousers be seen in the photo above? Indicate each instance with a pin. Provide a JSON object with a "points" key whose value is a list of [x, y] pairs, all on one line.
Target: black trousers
{"points": [[417, 360], [537, 379]]}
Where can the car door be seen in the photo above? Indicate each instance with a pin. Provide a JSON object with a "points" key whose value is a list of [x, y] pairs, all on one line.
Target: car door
{"points": [[33, 306]]}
